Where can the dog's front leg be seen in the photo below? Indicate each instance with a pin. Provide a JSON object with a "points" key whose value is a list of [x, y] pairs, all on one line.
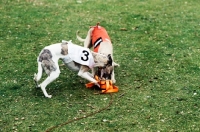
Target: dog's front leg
{"points": [[35, 80], [89, 78], [116, 64], [83, 72], [113, 77], [38, 76], [93, 71], [48, 80]]}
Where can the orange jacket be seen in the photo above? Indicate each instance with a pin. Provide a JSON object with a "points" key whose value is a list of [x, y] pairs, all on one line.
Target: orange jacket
{"points": [[99, 34]]}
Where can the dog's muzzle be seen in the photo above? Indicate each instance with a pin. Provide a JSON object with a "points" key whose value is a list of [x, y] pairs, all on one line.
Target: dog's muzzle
{"points": [[102, 71]]}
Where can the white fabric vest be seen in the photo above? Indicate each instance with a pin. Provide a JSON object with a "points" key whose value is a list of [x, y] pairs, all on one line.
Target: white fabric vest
{"points": [[80, 55]]}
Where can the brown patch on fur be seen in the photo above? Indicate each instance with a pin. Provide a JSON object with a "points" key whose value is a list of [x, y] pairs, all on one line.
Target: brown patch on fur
{"points": [[64, 50], [45, 55], [48, 66], [46, 60]]}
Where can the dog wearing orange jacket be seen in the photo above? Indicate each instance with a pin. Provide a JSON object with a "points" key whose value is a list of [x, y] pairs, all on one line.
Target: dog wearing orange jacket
{"points": [[98, 38]]}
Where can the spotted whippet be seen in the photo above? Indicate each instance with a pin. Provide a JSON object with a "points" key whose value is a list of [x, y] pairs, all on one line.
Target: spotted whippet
{"points": [[75, 57]]}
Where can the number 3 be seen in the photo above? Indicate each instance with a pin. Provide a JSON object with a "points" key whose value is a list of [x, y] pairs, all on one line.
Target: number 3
{"points": [[86, 54]]}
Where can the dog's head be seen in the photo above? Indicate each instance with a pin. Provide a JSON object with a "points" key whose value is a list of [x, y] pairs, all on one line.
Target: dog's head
{"points": [[105, 71], [101, 60]]}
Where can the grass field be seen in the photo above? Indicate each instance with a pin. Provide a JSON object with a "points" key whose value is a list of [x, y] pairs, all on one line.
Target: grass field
{"points": [[156, 43]]}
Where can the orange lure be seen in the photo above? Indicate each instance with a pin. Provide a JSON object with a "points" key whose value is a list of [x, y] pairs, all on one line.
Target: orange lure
{"points": [[106, 85]]}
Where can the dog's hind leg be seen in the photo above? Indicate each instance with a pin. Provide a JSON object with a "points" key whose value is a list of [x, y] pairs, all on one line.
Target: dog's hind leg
{"points": [[38, 76], [48, 80]]}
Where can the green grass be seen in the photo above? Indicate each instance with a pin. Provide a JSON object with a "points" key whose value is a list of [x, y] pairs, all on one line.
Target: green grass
{"points": [[156, 43]]}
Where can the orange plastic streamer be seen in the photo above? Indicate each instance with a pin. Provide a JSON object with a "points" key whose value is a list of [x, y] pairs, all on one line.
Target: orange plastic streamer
{"points": [[106, 85]]}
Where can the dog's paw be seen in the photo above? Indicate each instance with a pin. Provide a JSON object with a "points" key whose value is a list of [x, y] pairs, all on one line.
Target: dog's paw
{"points": [[49, 96], [113, 81], [117, 65], [35, 76], [97, 85]]}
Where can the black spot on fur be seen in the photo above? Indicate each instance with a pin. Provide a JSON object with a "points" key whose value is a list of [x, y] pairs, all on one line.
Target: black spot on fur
{"points": [[110, 60], [48, 66]]}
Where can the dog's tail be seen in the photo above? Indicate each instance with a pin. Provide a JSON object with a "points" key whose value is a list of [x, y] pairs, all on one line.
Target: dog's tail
{"points": [[79, 38], [38, 76]]}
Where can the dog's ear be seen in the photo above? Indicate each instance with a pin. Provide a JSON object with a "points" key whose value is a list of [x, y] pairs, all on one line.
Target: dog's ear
{"points": [[70, 41], [110, 59], [64, 42], [93, 53]]}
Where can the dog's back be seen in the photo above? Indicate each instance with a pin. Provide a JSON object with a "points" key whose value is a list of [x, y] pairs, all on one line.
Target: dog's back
{"points": [[55, 49], [99, 35], [99, 32]]}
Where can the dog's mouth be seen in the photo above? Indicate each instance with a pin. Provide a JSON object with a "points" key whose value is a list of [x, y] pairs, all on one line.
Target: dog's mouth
{"points": [[105, 72]]}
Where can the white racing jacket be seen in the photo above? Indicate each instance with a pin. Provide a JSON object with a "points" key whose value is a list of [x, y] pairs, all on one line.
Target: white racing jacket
{"points": [[80, 55]]}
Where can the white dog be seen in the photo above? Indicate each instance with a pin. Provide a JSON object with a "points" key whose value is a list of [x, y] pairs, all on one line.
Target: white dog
{"points": [[98, 38], [75, 57]]}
